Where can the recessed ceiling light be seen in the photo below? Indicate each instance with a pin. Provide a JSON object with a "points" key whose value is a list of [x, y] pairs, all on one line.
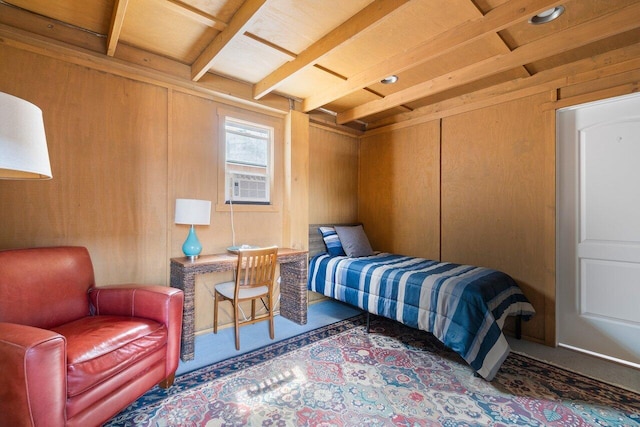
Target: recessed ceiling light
{"points": [[389, 80], [547, 16]]}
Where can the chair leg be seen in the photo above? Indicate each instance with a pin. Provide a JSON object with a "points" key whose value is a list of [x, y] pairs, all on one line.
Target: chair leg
{"points": [[236, 325], [215, 313], [271, 327]]}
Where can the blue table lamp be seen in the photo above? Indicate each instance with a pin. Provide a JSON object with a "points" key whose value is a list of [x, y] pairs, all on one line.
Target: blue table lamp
{"points": [[192, 212]]}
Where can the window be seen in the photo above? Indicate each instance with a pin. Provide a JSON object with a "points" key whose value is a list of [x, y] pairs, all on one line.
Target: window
{"points": [[248, 154]]}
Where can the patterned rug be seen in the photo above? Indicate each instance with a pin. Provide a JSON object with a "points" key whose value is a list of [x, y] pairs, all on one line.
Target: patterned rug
{"points": [[394, 376]]}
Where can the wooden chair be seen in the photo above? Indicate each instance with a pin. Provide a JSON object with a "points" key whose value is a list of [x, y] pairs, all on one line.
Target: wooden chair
{"points": [[255, 274]]}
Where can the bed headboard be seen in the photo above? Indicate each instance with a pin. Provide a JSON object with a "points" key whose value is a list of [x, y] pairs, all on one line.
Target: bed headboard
{"points": [[316, 244]]}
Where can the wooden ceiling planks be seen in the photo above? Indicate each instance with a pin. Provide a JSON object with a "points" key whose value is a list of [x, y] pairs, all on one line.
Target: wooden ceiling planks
{"points": [[333, 54], [196, 14], [247, 57], [155, 26], [456, 37], [610, 24], [93, 15], [618, 62], [238, 24], [325, 45]]}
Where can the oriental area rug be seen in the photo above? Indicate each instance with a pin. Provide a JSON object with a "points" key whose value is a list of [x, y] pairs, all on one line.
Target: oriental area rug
{"points": [[340, 375]]}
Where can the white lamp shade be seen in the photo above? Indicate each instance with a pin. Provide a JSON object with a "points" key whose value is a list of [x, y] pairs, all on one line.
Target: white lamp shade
{"points": [[193, 212], [23, 144]]}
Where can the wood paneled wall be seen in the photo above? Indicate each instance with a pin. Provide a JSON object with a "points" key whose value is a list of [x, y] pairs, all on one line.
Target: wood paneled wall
{"points": [[333, 176], [497, 192], [121, 152], [333, 179], [107, 140], [498, 197], [476, 188], [400, 190], [296, 200]]}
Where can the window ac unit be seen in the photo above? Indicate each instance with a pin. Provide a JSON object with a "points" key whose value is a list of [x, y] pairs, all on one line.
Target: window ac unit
{"points": [[247, 187]]}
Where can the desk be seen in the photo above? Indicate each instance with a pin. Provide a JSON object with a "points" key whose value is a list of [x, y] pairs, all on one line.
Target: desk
{"points": [[293, 287]]}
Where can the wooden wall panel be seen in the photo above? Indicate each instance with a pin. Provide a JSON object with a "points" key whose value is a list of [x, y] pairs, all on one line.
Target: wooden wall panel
{"points": [[399, 197], [333, 176], [121, 152], [333, 179], [498, 196], [296, 199], [194, 174], [194, 169], [107, 139]]}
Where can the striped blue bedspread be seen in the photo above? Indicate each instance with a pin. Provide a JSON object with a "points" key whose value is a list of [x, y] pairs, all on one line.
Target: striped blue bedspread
{"points": [[463, 306]]}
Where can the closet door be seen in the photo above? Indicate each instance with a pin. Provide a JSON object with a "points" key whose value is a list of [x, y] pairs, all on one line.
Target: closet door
{"points": [[598, 268]]}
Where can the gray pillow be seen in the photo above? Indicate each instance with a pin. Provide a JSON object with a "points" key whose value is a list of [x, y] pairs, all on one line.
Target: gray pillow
{"points": [[354, 241]]}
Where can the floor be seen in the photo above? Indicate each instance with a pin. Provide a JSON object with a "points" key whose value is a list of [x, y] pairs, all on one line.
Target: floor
{"points": [[591, 366], [210, 348]]}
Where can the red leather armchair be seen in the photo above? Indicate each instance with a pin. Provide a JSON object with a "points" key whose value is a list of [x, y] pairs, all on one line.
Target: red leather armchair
{"points": [[72, 354]]}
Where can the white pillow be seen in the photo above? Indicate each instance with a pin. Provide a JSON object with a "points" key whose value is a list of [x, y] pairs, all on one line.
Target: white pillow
{"points": [[354, 241]]}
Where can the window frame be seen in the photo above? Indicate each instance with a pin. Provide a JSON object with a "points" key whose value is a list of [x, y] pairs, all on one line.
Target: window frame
{"points": [[237, 166], [273, 164]]}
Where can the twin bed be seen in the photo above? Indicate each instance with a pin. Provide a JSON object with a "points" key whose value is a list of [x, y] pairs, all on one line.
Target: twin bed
{"points": [[463, 306]]}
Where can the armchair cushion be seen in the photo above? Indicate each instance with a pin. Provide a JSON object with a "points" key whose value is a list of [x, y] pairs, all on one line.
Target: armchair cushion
{"points": [[160, 303], [99, 347]]}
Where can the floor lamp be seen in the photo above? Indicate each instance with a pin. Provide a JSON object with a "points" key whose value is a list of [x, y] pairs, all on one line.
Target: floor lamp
{"points": [[23, 144]]}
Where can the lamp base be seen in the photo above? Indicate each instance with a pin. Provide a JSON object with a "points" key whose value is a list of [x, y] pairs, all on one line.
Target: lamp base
{"points": [[192, 246]]}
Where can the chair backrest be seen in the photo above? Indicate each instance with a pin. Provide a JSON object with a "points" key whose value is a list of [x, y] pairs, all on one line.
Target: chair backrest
{"points": [[45, 287], [256, 267]]}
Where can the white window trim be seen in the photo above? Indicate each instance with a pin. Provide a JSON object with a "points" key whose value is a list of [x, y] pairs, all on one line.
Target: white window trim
{"points": [[275, 163]]}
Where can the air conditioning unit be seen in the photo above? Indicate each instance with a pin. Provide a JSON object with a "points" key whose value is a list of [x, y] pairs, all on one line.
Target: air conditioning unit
{"points": [[248, 187]]}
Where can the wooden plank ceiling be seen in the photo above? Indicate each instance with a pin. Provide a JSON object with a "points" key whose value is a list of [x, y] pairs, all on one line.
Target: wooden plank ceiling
{"points": [[331, 55]]}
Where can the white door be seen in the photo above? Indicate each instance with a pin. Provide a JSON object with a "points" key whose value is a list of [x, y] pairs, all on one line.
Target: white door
{"points": [[598, 235]]}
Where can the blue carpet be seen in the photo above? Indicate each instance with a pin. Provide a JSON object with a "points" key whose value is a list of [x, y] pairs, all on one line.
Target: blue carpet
{"points": [[211, 348]]}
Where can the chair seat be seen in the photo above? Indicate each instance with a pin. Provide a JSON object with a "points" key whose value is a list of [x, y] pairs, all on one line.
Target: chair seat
{"points": [[227, 289], [98, 347]]}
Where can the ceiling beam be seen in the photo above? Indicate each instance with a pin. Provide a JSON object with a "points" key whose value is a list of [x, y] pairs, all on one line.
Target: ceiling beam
{"points": [[341, 34], [236, 28], [495, 20], [608, 25], [195, 14], [117, 18], [618, 61]]}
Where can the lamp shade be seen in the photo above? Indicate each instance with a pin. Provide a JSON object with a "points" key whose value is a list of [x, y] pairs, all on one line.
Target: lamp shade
{"points": [[23, 144], [193, 212]]}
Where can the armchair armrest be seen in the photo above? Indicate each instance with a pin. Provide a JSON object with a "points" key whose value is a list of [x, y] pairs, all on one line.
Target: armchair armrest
{"points": [[34, 376], [160, 303]]}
